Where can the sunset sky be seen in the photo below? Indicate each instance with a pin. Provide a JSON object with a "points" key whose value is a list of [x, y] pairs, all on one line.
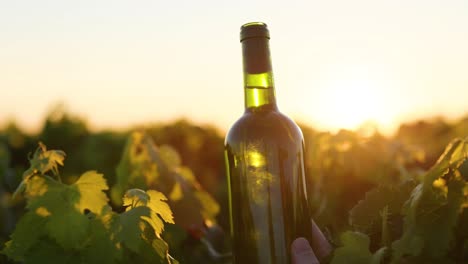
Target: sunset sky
{"points": [[336, 63]]}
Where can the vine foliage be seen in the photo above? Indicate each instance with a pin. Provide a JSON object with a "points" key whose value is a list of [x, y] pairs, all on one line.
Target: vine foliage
{"points": [[432, 210], [73, 223]]}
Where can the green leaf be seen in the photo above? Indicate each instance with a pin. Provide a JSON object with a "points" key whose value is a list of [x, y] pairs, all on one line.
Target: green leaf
{"points": [[409, 244], [161, 248], [134, 198], [47, 251], [433, 208], [103, 239], [90, 187], [141, 166], [159, 207], [132, 226], [196, 205], [365, 216], [454, 155], [145, 166], [67, 226], [175, 236], [59, 203], [355, 249], [438, 230], [42, 161], [158, 204], [45, 160], [28, 231], [155, 201], [141, 224], [42, 191], [74, 224]]}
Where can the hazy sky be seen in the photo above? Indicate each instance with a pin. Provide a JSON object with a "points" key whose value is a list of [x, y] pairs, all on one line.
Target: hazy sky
{"points": [[336, 63]]}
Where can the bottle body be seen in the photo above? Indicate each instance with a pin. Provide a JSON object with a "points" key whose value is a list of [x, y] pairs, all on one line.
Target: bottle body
{"points": [[267, 188], [264, 153]]}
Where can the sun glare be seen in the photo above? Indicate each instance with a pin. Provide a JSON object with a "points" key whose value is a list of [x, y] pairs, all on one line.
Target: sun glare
{"points": [[356, 100]]}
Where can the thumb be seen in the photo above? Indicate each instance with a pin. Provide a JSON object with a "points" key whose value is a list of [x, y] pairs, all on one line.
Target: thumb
{"points": [[302, 253]]}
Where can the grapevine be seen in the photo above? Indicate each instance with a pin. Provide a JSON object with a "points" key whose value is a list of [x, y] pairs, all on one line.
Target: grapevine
{"points": [[75, 224]]}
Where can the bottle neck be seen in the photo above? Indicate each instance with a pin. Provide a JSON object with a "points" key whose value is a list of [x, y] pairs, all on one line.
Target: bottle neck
{"points": [[259, 90]]}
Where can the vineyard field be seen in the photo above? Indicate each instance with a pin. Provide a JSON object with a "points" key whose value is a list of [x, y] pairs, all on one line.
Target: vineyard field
{"points": [[159, 195]]}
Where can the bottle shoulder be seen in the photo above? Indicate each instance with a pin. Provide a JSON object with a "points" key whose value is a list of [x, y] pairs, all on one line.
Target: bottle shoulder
{"points": [[270, 126]]}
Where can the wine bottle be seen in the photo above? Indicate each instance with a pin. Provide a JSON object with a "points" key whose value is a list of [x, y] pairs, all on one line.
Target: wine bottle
{"points": [[264, 154]]}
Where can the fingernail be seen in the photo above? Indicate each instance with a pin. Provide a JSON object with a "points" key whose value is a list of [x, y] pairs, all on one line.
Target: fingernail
{"points": [[302, 252], [301, 245]]}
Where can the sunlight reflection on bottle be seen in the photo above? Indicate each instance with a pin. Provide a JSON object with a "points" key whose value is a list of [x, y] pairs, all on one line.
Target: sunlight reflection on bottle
{"points": [[257, 175]]}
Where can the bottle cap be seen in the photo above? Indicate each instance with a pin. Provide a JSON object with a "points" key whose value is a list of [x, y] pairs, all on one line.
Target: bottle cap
{"points": [[254, 30]]}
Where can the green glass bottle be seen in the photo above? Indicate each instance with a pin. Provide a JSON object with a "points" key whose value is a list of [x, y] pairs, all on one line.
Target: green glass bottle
{"points": [[264, 153]]}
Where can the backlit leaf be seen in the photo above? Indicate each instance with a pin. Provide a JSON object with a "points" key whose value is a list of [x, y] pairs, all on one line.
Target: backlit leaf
{"points": [[158, 204], [90, 187], [433, 208], [155, 201], [190, 204], [45, 160]]}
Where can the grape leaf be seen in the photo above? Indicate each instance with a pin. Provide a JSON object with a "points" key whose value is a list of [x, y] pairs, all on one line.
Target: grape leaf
{"points": [[155, 201], [45, 160], [355, 249], [432, 210], [137, 169], [175, 236], [65, 205], [90, 187], [37, 188], [134, 198], [27, 233], [454, 155], [365, 215], [142, 161], [161, 248], [47, 251], [74, 224], [145, 211], [66, 225], [102, 239], [64, 222], [437, 228], [42, 161], [157, 204], [131, 227]]}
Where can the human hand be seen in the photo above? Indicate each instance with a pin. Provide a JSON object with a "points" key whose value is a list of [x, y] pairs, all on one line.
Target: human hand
{"points": [[303, 253]]}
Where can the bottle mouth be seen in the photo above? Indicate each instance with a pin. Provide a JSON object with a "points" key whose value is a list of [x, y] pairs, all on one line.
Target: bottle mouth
{"points": [[254, 30]]}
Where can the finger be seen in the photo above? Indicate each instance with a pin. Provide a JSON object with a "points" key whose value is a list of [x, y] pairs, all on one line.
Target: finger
{"points": [[320, 244], [302, 252]]}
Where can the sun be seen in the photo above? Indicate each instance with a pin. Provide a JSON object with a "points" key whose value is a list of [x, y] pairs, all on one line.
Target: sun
{"points": [[350, 102]]}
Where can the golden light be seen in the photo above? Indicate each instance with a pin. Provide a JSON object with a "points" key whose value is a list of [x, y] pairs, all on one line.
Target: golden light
{"points": [[256, 159], [353, 99]]}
